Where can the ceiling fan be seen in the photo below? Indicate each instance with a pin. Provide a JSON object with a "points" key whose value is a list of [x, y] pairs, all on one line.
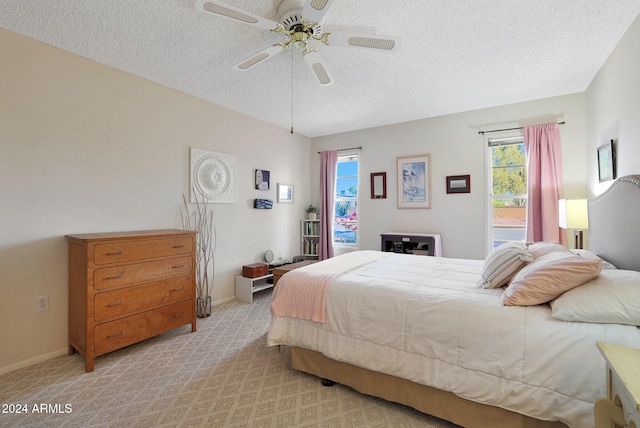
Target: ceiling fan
{"points": [[301, 21]]}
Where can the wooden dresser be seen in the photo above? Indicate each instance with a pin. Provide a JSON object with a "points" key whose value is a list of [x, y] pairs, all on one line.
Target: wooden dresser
{"points": [[125, 287]]}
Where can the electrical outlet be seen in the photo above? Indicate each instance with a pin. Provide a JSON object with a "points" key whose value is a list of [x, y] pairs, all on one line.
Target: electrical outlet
{"points": [[42, 303]]}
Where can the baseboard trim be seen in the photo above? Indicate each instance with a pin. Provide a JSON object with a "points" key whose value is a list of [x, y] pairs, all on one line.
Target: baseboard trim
{"points": [[221, 301], [65, 351], [34, 360]]}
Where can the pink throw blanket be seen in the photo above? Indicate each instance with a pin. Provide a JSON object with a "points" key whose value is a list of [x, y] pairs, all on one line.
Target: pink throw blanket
{"points": [[302, 293], [299, 295]]}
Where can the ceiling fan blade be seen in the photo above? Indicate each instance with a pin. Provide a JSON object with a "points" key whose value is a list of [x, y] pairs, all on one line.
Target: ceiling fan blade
{"points": [[223, 10], [314, 10], [256, 59], [376, 42], [318, 68]]}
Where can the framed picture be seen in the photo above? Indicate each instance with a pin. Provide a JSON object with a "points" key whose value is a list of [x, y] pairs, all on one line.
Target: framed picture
{"points": [[458, 184], [285, 193], [262, 179], [607, 161], [414, 181], [378, 185], [263, 204]]}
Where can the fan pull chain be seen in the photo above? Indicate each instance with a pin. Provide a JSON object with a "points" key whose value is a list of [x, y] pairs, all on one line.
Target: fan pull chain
{"points": [[292, 91]]}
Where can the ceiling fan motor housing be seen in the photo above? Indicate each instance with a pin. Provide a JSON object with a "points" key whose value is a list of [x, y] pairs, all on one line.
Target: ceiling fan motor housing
{"points": [[290, 14]]}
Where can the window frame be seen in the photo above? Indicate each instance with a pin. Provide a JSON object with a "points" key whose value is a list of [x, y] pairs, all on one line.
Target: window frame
{"points": [[491, 142], [346, 157]]}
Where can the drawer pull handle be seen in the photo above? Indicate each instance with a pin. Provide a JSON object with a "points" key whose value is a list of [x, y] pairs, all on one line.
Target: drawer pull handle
{"points": [[177, 289], [178, 246], [181, 314], [178, 267], [111, 336], [117, 253], [111, 305], [114, 277]]}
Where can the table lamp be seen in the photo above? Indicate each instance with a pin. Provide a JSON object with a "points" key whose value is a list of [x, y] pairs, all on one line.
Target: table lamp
{"points": [[573, 215]]}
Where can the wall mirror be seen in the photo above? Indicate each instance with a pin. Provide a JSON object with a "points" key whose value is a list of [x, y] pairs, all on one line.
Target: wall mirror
{"points": [[378, 185]]}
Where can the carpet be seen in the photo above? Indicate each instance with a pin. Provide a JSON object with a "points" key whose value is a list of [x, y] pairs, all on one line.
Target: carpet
{"points": [[223, 375]]}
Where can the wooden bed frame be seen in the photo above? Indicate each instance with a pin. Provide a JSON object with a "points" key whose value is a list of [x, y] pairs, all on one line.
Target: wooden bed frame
{"points": [[613, 234]]}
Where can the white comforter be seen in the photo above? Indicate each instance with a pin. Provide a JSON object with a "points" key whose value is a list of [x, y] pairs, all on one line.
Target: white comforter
{"points": [[426, 319]]}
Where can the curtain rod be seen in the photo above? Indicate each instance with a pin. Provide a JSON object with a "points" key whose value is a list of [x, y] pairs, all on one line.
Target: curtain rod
{"points": [[344, 150], [507, 129]]}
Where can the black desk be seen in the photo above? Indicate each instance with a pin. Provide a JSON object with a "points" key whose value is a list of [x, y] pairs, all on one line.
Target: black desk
{"points": [[428, 244]]}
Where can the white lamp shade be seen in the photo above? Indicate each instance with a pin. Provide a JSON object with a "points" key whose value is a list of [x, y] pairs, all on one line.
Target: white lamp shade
{"points": [[573, 214]]}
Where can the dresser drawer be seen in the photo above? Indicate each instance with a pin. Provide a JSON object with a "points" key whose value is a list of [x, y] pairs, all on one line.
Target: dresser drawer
{"points": [[130, 251], [141, 272], [126, 331], [129, 301]]}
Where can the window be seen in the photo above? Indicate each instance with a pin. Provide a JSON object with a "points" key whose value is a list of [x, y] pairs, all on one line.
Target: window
{"points": [[345, 229], [508, 205]]}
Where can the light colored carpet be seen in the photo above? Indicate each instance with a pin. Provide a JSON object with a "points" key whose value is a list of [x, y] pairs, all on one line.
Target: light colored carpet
{"points": [[223, 375]]}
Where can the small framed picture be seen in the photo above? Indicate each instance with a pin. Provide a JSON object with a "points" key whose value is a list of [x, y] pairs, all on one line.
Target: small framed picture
{"points": [[607, 161], [378, 185], [262, 179], [459, 184], [285, 193]]}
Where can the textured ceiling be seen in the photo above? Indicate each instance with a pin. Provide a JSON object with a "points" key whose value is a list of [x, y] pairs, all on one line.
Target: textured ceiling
{"points": [[455, 55]]}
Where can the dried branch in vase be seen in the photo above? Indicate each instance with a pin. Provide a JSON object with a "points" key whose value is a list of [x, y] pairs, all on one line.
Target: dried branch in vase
{"points": [[201, 221]]}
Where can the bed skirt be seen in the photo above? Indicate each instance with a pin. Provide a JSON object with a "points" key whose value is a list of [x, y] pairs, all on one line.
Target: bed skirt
{"points": [[443, 405]]}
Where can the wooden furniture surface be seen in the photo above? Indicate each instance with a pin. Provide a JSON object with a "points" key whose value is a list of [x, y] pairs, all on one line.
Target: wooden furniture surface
{"points": [[281, 270], [428, 244], [621, 407], [125, 287]]}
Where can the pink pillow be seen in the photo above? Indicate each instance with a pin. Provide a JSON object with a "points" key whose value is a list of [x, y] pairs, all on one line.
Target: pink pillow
{"points": [[549, 276]]}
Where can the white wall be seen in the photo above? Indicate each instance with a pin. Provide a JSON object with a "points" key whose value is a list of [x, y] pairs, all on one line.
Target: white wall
{"points": [[609, 109], [86, 148], [613, 109], [456, 148]]}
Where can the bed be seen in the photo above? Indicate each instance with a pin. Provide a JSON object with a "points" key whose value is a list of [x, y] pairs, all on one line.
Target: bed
{"points": [[451, 338]]}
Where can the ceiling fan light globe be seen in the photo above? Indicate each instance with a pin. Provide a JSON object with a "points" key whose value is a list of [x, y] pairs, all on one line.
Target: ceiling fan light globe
{"points": [[290, 15]]}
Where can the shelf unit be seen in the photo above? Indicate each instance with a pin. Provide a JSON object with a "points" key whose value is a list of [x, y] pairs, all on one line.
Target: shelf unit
{"points": [[245, 287], [310, 238]]}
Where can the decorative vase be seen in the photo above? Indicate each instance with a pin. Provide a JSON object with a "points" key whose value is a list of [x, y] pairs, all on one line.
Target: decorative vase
{"points": [[312, 216], [203, 306]]}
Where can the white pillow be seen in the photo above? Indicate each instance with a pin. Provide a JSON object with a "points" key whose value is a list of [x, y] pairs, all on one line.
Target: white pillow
{"points": [[503, 262], [611, 298], [590, 255]]}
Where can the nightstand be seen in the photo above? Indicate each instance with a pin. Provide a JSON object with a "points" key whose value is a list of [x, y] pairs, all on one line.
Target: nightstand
{"points": [[622, 405]]}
